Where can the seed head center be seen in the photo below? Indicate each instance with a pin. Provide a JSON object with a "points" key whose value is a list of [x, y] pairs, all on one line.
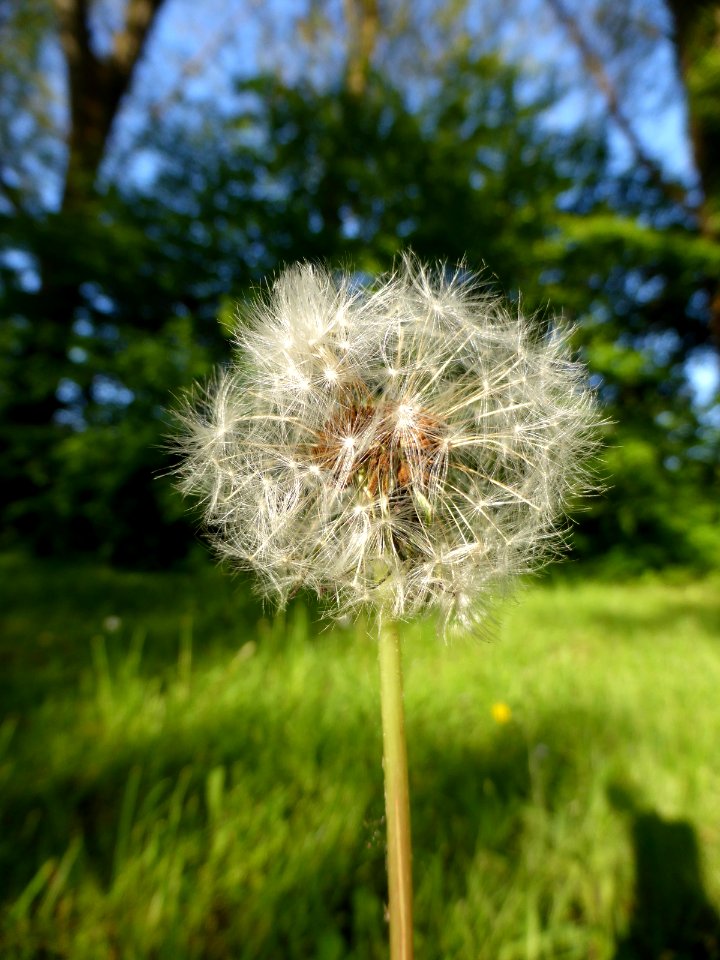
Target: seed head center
{"points": [[380, 446]]}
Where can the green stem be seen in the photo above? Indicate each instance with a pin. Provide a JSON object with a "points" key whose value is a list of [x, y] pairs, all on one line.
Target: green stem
{"points": [[397, 796]]}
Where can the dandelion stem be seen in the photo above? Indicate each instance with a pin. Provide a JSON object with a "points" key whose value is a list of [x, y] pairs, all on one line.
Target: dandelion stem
{"points": [[397, 798]]}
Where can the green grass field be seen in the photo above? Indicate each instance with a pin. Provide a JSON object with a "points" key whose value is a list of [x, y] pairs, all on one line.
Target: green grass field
{"points": [[183, 777]]}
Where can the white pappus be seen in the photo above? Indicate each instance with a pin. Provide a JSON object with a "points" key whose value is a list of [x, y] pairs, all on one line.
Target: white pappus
{"points": [[404, 447]]}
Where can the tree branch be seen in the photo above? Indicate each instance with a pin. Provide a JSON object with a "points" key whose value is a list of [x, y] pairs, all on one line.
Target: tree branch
{"points": [[194, 65], [363, 23], [129, 42], [596, 69]]}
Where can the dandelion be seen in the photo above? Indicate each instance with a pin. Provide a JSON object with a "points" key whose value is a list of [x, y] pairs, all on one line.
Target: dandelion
{"points": [[403, 448]]}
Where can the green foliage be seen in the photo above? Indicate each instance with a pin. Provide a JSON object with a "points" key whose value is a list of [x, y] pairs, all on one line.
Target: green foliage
{"points": [[134, 281], [652, 516], [182, 777]]}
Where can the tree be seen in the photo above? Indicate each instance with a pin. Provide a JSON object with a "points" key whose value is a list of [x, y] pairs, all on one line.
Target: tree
{"points": [[652, 253], [62, 247], [631, 32], [454, 157], [697, 41]]}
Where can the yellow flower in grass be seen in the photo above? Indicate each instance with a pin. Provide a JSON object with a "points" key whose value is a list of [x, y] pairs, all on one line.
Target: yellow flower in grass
{"points": [[501, 712]]}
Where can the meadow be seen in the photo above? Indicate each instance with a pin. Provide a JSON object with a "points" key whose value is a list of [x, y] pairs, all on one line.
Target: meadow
{"points": [[183, 775]]}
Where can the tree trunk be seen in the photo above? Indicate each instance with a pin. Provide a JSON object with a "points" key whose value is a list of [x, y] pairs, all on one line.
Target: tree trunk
{"points": [[697, 44], [96, 85], [96, 89], [30, 402]]}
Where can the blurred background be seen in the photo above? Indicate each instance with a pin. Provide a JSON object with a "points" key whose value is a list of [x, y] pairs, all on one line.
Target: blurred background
{"points": [[183, 775], [160, 158]]}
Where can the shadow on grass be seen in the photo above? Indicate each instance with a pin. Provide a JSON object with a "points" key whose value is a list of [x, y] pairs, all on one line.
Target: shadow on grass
{"points": [[50, 616], [253, 744], [466, 796], [469, 794], [672, 918]]}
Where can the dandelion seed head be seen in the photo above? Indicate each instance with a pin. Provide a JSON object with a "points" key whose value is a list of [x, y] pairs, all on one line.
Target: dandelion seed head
{"points": [[406, 447]]}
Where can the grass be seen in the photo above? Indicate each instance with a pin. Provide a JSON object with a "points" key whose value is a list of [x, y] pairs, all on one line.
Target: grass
{"points": [[183, 777]]}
